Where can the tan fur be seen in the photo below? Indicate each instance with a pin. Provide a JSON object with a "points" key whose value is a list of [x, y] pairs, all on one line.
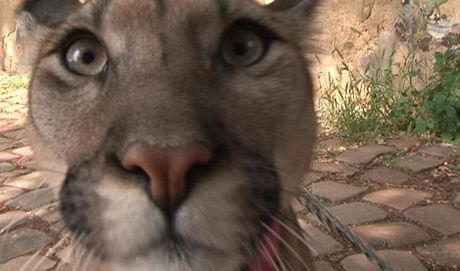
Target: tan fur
{"points": [[166, 86]]}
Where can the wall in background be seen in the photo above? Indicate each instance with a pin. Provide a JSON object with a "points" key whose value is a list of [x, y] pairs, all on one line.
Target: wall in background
{"points": [[9, 51]]}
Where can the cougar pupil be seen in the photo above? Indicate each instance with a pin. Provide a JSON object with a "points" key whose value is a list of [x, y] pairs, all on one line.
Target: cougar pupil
{"points": [[241, 48], [88, 57]]}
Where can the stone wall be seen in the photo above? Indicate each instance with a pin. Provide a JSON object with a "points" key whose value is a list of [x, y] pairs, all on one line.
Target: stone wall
{"points": [[366, 32], [9, 51]]}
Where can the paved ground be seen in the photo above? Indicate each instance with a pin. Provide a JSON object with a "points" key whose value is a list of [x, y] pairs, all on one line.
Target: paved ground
{"points": [[401, 195]]}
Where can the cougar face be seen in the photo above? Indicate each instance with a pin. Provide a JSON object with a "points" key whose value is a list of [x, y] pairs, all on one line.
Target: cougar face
{"points": [[186, 127]]}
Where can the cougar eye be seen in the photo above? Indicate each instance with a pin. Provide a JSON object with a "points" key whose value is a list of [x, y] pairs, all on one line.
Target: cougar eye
{"points": [[86, 56], [242, 48]]}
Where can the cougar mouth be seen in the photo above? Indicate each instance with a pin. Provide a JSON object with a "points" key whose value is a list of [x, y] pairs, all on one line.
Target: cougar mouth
{"points": [[84, 209]]}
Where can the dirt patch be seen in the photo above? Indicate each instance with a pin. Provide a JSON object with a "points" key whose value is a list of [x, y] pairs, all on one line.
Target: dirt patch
{"points": [[362, 29], [354, 27]]}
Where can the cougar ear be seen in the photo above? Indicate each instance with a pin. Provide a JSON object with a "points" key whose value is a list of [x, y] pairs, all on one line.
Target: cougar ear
{"points": [[285, 5], [295, 17], [35, 19], [48, 12]]}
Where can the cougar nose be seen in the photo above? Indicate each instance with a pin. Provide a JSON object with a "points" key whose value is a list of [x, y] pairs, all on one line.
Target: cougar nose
{"points": [[167, 169]]}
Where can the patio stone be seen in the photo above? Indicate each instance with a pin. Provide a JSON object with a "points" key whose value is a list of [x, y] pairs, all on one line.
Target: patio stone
{"points": [[446, 252], [443, 218], [364, 154], [400, 199], [334, 191], [21, 242], [385, 175], [391, 235], [398, 260], [417, 163]]}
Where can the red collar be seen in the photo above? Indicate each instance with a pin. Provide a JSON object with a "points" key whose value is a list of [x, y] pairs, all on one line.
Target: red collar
{"points": [[269, 251]]}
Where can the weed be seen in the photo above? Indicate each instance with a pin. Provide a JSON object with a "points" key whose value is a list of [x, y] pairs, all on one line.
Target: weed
{"points": [[390, 162], [331, 154], [380, 102], [429, 6], [364, 106], [455, 167], [439, 110]]}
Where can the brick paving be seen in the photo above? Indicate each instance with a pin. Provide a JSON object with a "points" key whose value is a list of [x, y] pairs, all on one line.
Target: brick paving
{"points": [[397, 198], [399, 260], [402, 196]]}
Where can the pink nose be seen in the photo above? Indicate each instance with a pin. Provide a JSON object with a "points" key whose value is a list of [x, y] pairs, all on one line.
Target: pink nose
{"points": [[166, 168]]}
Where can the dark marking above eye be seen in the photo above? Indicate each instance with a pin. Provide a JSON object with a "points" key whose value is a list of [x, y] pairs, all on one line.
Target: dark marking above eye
{"points": [[50, 12], [252, 26]]}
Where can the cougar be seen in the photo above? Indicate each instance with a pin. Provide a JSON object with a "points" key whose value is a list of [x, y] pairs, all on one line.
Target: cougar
{"points": [[186, 128]]}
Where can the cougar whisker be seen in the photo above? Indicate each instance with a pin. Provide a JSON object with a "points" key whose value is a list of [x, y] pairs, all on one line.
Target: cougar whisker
{"points": [[287, 245], [10, 225], [30, 260], [50, 251], [278, 257], [294, 233], [268, 256]]}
